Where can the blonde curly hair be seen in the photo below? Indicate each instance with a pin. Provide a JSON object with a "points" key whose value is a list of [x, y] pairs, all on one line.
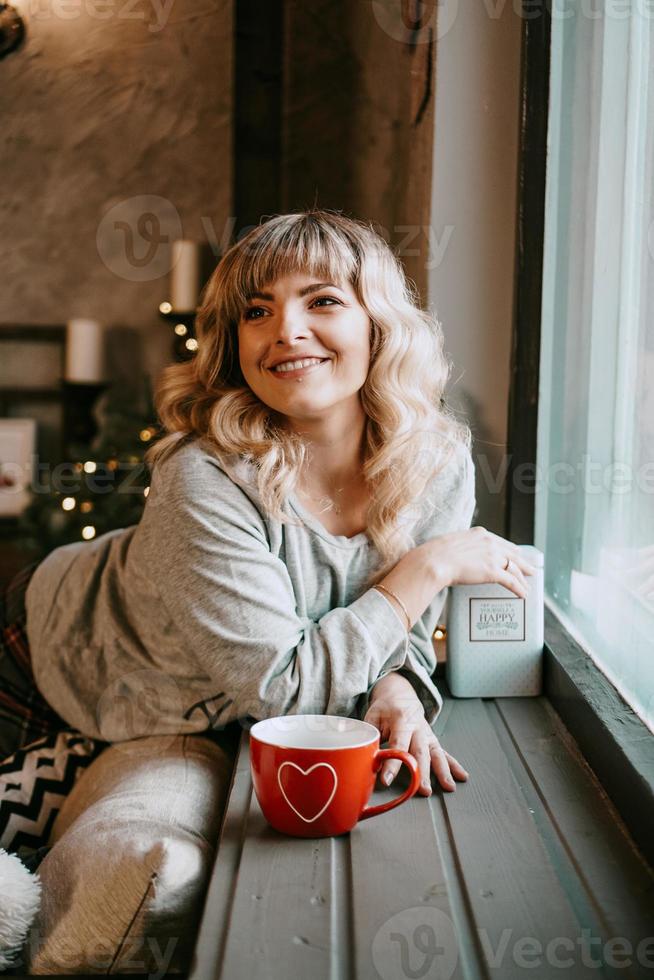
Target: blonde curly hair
{"points": [[410, 435]]}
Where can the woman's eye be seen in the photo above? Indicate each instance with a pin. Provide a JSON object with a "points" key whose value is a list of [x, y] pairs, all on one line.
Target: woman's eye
{"points": [[247, 315], [330, 298]]}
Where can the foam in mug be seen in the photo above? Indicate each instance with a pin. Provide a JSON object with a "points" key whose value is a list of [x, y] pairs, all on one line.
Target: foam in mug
{"points": [[314, 774]]}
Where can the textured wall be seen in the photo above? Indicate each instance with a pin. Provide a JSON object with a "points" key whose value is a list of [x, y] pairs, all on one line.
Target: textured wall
{"points": [[110, 113], [474, 221], [358, 119]]}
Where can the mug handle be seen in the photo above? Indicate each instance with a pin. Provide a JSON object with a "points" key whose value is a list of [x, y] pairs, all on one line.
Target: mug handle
{"points": [[408, 760]]}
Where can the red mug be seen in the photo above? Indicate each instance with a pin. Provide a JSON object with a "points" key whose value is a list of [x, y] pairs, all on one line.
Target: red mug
{"points": [[313, 774]]}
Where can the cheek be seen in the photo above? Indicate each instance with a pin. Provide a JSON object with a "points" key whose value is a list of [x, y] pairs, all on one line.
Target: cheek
{"points": [[363, 355], [247, 355]]}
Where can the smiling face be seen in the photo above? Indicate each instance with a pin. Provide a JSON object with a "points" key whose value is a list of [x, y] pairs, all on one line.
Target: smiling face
{"points": [[301, 317]]}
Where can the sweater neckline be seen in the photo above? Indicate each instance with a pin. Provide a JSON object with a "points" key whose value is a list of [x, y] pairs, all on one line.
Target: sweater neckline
{"points": [[341, 540]]}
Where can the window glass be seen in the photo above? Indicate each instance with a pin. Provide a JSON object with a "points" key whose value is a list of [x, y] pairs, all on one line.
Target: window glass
{"points": [[595, 489]]}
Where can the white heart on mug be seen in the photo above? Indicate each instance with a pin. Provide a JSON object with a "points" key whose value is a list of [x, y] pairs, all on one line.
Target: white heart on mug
{"points": [[307, 772]]}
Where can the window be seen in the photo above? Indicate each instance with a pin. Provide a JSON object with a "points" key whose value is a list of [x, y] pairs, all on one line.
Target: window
{"points": [[594, 514]]}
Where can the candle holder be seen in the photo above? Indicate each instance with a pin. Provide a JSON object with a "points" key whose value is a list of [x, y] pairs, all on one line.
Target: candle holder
{"points": [[185, 342], [79, 425]]}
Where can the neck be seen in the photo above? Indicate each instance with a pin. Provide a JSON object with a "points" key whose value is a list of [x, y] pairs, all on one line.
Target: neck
{"points": [[336, 446]]}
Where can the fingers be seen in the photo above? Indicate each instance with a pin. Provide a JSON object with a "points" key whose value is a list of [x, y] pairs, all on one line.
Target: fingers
{"points": [[420, 741], [519, 576], [429, 753], [513, 583], [400, 738], [518, 562], [457, 769], [441, 766], [375, 716], [513, 577], [420, 750], [510, 550]]}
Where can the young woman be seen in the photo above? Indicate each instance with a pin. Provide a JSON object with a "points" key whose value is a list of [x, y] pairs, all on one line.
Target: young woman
{"points": [[310, 503]]}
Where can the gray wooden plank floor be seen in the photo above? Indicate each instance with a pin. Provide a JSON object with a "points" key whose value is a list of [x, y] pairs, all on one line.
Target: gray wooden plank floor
{"points": [[526, 870]]}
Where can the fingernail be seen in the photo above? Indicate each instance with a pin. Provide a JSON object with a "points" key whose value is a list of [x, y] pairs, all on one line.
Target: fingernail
{"points": [[450, 783], [387, 778], [426, 786]]}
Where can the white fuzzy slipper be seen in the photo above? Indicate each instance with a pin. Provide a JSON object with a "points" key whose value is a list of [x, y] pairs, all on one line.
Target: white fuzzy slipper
{"points": [[20, 898]]}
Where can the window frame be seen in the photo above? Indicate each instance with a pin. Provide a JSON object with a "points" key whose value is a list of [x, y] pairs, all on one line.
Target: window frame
{"points": [[615, 742]]}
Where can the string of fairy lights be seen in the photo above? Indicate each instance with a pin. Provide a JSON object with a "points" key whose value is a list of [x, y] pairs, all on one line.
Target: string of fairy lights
{"points": [[186, 344], [90, 466], [185, 347]]}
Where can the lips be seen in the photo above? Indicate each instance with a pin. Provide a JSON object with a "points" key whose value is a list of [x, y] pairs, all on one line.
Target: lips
{"points": [[298, 372], [291, 360]]}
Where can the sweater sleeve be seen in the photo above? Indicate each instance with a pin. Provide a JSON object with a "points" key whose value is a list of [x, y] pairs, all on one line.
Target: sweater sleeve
{"points": [[420, 663], [233, 601]]}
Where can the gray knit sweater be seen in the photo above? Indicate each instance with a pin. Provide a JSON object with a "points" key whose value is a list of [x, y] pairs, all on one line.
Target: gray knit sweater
{"points": [[208, 612]]}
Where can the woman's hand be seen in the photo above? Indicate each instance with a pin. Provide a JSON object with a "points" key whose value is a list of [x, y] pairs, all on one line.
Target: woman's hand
{"points": [[397, 712], [475, 556]]}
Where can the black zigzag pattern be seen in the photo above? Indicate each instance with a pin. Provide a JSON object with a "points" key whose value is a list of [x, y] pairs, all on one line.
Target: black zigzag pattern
{"points": [[35, 781], [15, 762], [57, 741], [34, 809]]}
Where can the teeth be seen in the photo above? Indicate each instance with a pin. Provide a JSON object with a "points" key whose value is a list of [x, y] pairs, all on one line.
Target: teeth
{"points": [[294, 365]]}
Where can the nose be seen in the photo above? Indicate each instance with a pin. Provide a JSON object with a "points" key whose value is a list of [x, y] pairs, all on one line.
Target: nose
{"points": [[290, 326]]}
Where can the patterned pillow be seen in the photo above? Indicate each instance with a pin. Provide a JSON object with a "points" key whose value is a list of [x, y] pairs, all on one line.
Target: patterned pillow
{"points": [[124, 882], [34, 782]]}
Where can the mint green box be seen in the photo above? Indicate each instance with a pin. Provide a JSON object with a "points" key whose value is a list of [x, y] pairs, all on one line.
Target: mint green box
{"points": [[495, 639]]}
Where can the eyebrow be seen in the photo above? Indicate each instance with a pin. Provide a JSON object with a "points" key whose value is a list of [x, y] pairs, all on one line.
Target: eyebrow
{"points": [[313, 288]]}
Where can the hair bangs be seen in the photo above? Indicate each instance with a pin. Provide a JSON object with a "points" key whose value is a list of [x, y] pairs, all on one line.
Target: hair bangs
{"points": [[301, 243], [408, 423]]}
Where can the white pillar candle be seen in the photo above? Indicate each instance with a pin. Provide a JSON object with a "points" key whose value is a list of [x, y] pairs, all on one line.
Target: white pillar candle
{"points": [[84, 354], [185, 281]]}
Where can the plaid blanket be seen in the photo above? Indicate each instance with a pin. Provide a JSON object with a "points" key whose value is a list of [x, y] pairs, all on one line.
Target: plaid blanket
{"points": [[41, 757], [24, 713]]}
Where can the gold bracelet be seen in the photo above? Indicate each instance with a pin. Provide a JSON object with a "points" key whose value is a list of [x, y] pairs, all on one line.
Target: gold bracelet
{"points": [[383, 588]]}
